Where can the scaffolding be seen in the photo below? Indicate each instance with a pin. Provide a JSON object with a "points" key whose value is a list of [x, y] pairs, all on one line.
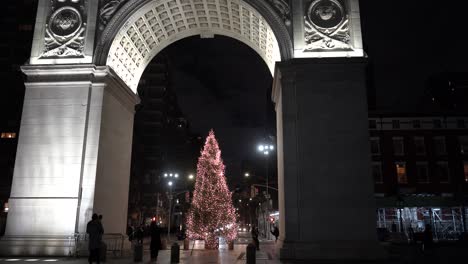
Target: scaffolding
{"points": [[447, 223]]}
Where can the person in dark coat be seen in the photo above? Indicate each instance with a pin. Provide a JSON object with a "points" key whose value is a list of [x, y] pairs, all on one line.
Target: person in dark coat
{"points": [[428, 238], [140, 233], [155, 244], [254, 233], [275, 233], [95, 231]]}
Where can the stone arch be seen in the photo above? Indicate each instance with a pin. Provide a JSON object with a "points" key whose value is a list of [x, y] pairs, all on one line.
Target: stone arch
{"points": [[142, 28]]}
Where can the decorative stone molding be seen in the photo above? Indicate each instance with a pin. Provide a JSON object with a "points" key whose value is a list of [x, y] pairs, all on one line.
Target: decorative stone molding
{"points": [[65, 29], [283, 9], [107, 10], [159, 23], [327, 26]]}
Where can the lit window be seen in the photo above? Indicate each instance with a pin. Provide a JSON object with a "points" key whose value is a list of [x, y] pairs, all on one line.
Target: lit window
{"points": [[419, 145], [465, 170], [463, 144], [8, 135], [401, 172], [439, 146], [377, 172], [442, 171], [398, 146], [422, 172], [375, 145]]}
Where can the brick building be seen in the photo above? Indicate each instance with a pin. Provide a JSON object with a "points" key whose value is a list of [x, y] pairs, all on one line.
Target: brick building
{"points": [[420, 169]]}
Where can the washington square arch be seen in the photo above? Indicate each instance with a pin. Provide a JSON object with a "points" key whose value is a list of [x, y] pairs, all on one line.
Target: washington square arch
{"points": [[73, 155]]}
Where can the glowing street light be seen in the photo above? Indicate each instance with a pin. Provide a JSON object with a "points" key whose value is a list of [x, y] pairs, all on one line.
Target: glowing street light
{"points": [[169, 183], [191, 177], [246, 174]]}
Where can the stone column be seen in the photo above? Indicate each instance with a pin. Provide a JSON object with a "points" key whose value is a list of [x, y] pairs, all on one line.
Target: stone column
{"points": [[73, 157], [326, 202]]}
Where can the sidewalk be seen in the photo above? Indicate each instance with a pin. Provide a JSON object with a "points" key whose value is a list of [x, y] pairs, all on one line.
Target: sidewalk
{"points": [[195, 256]]}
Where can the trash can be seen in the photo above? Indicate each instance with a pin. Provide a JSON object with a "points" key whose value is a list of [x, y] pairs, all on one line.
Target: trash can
{"points": [[175, 254], [138, 252], [251, 251]]}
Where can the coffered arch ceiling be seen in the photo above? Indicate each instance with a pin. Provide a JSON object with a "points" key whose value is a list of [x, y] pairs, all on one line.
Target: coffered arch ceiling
{"points": [[158, 23]]}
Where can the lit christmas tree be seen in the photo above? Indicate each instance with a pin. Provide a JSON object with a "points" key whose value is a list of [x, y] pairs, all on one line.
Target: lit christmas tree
{"points": [[211, 214]]}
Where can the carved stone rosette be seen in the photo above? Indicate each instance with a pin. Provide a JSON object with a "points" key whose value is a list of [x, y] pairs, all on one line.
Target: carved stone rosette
{"points": [[65, 29], [327, 26]]}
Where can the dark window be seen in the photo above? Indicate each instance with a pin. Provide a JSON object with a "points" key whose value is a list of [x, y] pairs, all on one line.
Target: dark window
{"points": [[422, 172], [398, 146], [372, 124], [442, 171], [377, 172], [439, 146], [461, 123], [416, 123], [419, 145], [465, 170], [375, 146], [396, 123], [463, 140], [437, 123]]}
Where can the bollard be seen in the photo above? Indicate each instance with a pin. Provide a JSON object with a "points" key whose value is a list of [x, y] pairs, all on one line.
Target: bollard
{"points": [[251, 251], [231, 245], [186, 244], [138, 252], [175, 253]]}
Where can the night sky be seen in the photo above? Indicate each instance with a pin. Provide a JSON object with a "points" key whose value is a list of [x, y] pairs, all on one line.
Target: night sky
{"points": [[223, 84]]}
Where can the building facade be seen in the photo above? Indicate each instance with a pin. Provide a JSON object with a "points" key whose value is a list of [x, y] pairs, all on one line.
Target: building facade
{"points": [[420, 170]]}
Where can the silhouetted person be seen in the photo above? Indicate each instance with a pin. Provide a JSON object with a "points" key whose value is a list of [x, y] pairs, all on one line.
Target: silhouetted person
{"points": [[130, 232], [95, 231], [254, 233], [275, 233], [140, 234], [427, 237], [155, 240]]}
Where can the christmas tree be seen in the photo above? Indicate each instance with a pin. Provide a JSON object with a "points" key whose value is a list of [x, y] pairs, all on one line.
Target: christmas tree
{"points": [[211, 214]]}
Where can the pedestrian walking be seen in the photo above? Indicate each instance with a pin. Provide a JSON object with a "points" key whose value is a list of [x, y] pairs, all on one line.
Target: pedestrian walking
{"points": [[275, 233], [254, 233], [95, 231], [427, 238], [155, 244]]}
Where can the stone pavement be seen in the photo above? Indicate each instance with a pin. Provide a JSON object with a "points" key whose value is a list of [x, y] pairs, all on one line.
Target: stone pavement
{"points": [[195, 256]]}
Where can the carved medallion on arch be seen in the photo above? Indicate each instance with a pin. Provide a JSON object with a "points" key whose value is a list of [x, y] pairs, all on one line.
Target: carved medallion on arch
{"points": [[65, 29], [327, 25]]}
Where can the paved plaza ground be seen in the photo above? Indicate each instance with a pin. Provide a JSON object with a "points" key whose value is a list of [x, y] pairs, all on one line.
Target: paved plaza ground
{"points": [[398, 254]]}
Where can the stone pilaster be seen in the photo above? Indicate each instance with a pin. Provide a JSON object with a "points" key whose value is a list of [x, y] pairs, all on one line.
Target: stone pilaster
{"points": [[326, 193], [73, 157]]}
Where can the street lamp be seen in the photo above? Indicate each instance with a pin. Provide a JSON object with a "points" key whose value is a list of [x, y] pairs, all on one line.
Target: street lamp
{"points": [[191, 177], [266, 149], [247, 174], [172, 177]]}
